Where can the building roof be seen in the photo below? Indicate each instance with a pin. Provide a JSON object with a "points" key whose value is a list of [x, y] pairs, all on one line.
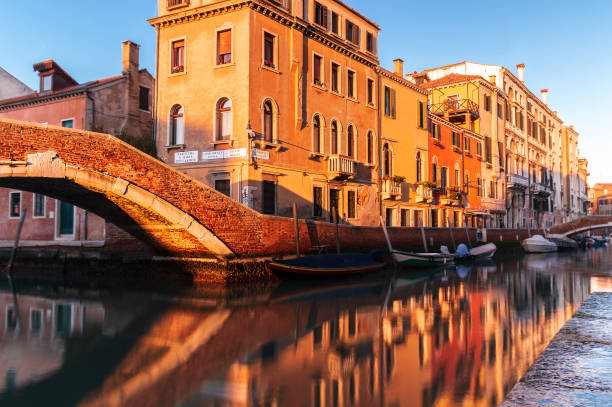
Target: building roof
{"points": [[450, 79], [37, 97], [391, 75]]}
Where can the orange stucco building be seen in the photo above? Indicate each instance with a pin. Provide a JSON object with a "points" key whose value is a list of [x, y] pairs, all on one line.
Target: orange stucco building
{"points": [[272, 103]]}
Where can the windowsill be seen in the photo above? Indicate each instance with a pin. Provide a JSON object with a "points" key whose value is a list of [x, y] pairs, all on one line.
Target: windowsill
{"points": [[336, 93], [316, 155], [216, 143], [270, 68], [320, 87], [437, 143], [219, 66], [371, 165], [352, 99], [175, 147], [183, 72], [456, 149], [182, 5], [371, 106], [39, 217], [275, 145], [145, 111]]}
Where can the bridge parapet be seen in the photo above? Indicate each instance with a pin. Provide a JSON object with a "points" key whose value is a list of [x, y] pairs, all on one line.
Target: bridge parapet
{"points": [[581, 225]]}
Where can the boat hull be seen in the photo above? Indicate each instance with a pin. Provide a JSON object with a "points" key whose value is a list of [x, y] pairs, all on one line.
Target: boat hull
{"points": [[327, 265], [539, 248], [422, 260]]}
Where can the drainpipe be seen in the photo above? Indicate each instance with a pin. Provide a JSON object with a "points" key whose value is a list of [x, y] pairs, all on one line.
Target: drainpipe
{"points": [[379, 141], [155, 115]]}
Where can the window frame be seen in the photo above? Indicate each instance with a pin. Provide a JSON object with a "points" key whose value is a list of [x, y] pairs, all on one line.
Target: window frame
{"points": [[217, 116], [314, 202], [274, 65], [338, 137], [230, 28], [351, 146], [44, 206], [148, 109], [69, 119], [321, 84], [348, 204], [10, 212], [325, 15], [372, 102], [333, 64], [171, 131], [173, 71], [338, 31], [321, 135]]}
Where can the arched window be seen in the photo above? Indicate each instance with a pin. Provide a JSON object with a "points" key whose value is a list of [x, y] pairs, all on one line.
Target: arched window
{"points": [[466, 187], [350, 142], [434, 170], [177, 126], [268, 128], [224, 119], [370, 151], [419, 167], [316, 134], [334, 137], [387, 160]]}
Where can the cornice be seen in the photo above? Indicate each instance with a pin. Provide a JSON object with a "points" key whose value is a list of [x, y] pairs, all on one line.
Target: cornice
{"points": [[390, 75], [41, 99], [433, 117]]}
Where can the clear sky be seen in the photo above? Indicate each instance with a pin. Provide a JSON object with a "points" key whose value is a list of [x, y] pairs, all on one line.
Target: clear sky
{"points": [[566, 46]]}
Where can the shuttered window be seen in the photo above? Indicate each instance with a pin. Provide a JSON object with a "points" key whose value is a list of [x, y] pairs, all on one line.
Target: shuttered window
{"points": [[224, 47], [316, 69], [321, 14], [178, 56], [352, 33]]}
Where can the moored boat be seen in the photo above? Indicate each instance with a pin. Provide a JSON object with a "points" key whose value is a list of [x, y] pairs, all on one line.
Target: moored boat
{"points": [[539, 244], [328, 264], [563, 242], [484, 252], [423, 259]]}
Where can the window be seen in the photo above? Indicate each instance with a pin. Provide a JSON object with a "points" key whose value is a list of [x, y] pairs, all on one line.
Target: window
{"points": [[352, 204], [350, 142], [434, 173], [350, 84], [389, 217], [178, 56], [488, 151], [320, 14], [421, 115], [491, 189], [63, 319], [436, 131], [352, 33], [69, 123], [457, 178], [389, 102], [487, 100], [317, 70], [419, 165], [268, 127], [369, 143], [444, 177], [39, 206], [456, 139], [479, 187], [223, 186], [317, 202], [224, 119], [177, 126], [143, 103], [15, 204], [466, 144], [334, 137], [387, 160], [370, 92], [335, 77], [434, 218], [335, 23], [404, 217], [269, 50], [371, 43], [46, 83], [224, 47], [500, 111], [316, 134], [466, 187], [35, 321], [479, 149], [269, 197]]}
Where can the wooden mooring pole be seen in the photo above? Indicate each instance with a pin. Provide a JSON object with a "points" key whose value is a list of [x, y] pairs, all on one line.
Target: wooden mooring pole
{"points": [[297, 230]]}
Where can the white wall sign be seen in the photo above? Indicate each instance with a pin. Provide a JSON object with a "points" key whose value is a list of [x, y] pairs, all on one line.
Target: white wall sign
{"points": [[261, 154], [183, 157], [224, 154]]}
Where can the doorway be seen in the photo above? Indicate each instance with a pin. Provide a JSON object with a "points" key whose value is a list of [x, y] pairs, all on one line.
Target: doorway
{"points": [[66, 219], [334, 204]]}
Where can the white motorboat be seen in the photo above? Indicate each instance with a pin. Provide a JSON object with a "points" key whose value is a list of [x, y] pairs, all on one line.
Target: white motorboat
{"points": [[539, 244], [563, 242]]}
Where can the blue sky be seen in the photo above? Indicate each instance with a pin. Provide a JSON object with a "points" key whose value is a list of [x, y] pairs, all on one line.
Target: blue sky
{"points": [[565, 46]]}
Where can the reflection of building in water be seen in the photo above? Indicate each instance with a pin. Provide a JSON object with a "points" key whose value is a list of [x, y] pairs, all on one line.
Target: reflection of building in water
{"points": [[471, 342], [334, 362], [33, 337]]}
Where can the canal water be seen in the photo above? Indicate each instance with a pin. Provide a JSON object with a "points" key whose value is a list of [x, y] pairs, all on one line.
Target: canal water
{"points": [[460, 336]]}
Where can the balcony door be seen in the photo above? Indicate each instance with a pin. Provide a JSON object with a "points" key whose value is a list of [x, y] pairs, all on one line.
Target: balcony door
{"points": [[334, 204]]}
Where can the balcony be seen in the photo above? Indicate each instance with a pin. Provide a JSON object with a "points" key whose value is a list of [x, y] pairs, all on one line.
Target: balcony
{"points": [[423, 194], [517, 181], [456, 111], [541, 189], [449, 196], [174, 4], [391, 189], [340, 167]]}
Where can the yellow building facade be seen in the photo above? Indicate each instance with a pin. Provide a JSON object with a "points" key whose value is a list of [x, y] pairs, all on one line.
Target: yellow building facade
{"points": [[404, 149], [272, 103]]}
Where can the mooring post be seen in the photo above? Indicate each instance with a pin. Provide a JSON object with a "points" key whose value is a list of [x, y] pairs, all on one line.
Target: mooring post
{"points": [[467, 234], [424, 238], [9, 269], [450, 229], [297, 230], [335, 219]]}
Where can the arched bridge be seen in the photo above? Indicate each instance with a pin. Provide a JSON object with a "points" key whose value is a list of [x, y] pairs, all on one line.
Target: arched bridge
{"points": [[169, 210], [581, 225]]}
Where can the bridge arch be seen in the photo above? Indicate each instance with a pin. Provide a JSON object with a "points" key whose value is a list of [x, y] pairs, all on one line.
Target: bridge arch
{"points": [[165, 208], [581, 225]]}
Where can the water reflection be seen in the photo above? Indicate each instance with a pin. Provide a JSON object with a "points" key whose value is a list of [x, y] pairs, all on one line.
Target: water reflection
{"points": [[461, 336]]}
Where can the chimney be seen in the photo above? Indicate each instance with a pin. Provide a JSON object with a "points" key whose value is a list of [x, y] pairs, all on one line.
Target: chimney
{"points": [[493, 79], [130, 57], [520, 69], [545, 96], [399, 67]]}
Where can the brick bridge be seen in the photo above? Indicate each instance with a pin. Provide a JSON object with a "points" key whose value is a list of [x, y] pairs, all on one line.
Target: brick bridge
{"points": [[171, 212], [584, 224]]}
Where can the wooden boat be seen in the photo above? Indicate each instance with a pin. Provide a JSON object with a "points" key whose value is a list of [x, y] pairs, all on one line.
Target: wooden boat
{"points": [[327, 264], [538, 244], [423, 259], [484, 252], [563, 242]]}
